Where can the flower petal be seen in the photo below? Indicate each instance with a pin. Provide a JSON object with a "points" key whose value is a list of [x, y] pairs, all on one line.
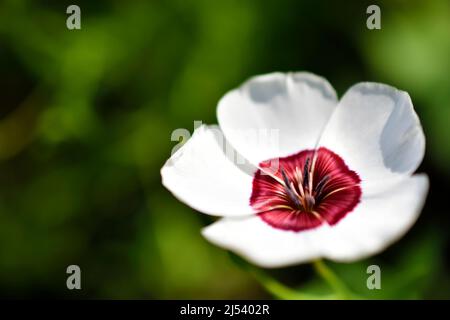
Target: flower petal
{"points": [[376, 131], [277, 114], [379, 220], [264, 245], [376, 222], [201, 175]]}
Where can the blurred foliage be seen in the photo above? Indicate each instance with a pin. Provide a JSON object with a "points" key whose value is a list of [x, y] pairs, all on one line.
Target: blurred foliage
{"points": [[86, 118]]}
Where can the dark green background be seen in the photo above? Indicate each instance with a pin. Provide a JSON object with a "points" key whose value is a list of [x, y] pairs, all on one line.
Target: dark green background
{"points": [[86, 118]]}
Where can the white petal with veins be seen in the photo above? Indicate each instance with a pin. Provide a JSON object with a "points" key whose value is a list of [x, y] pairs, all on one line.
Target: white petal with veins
{"points": [[377, 133], [201, 175], [277, 114], [264, 245], [378, 221]]}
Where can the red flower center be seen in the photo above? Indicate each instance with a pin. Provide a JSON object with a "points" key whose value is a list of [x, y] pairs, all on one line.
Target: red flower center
{"points": [[309, 188]]}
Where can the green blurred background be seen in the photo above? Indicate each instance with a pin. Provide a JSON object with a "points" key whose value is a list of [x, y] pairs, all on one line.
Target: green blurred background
{"points": [[86, 118]]}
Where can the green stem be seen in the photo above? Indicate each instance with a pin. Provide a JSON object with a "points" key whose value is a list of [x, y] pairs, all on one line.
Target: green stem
{"points": [[273, 286], [332, 279], [278, 289]]}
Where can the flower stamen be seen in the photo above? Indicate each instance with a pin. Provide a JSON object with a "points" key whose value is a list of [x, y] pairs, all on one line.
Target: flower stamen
{"points": [[321, 185], [306, 173], [290, 190]]}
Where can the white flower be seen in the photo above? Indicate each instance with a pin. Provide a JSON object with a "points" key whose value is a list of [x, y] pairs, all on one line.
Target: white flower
{"points": [[344, 187]]}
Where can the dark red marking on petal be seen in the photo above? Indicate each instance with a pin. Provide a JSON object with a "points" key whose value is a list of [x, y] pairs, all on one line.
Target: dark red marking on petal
{"points": [[310, 188]]}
